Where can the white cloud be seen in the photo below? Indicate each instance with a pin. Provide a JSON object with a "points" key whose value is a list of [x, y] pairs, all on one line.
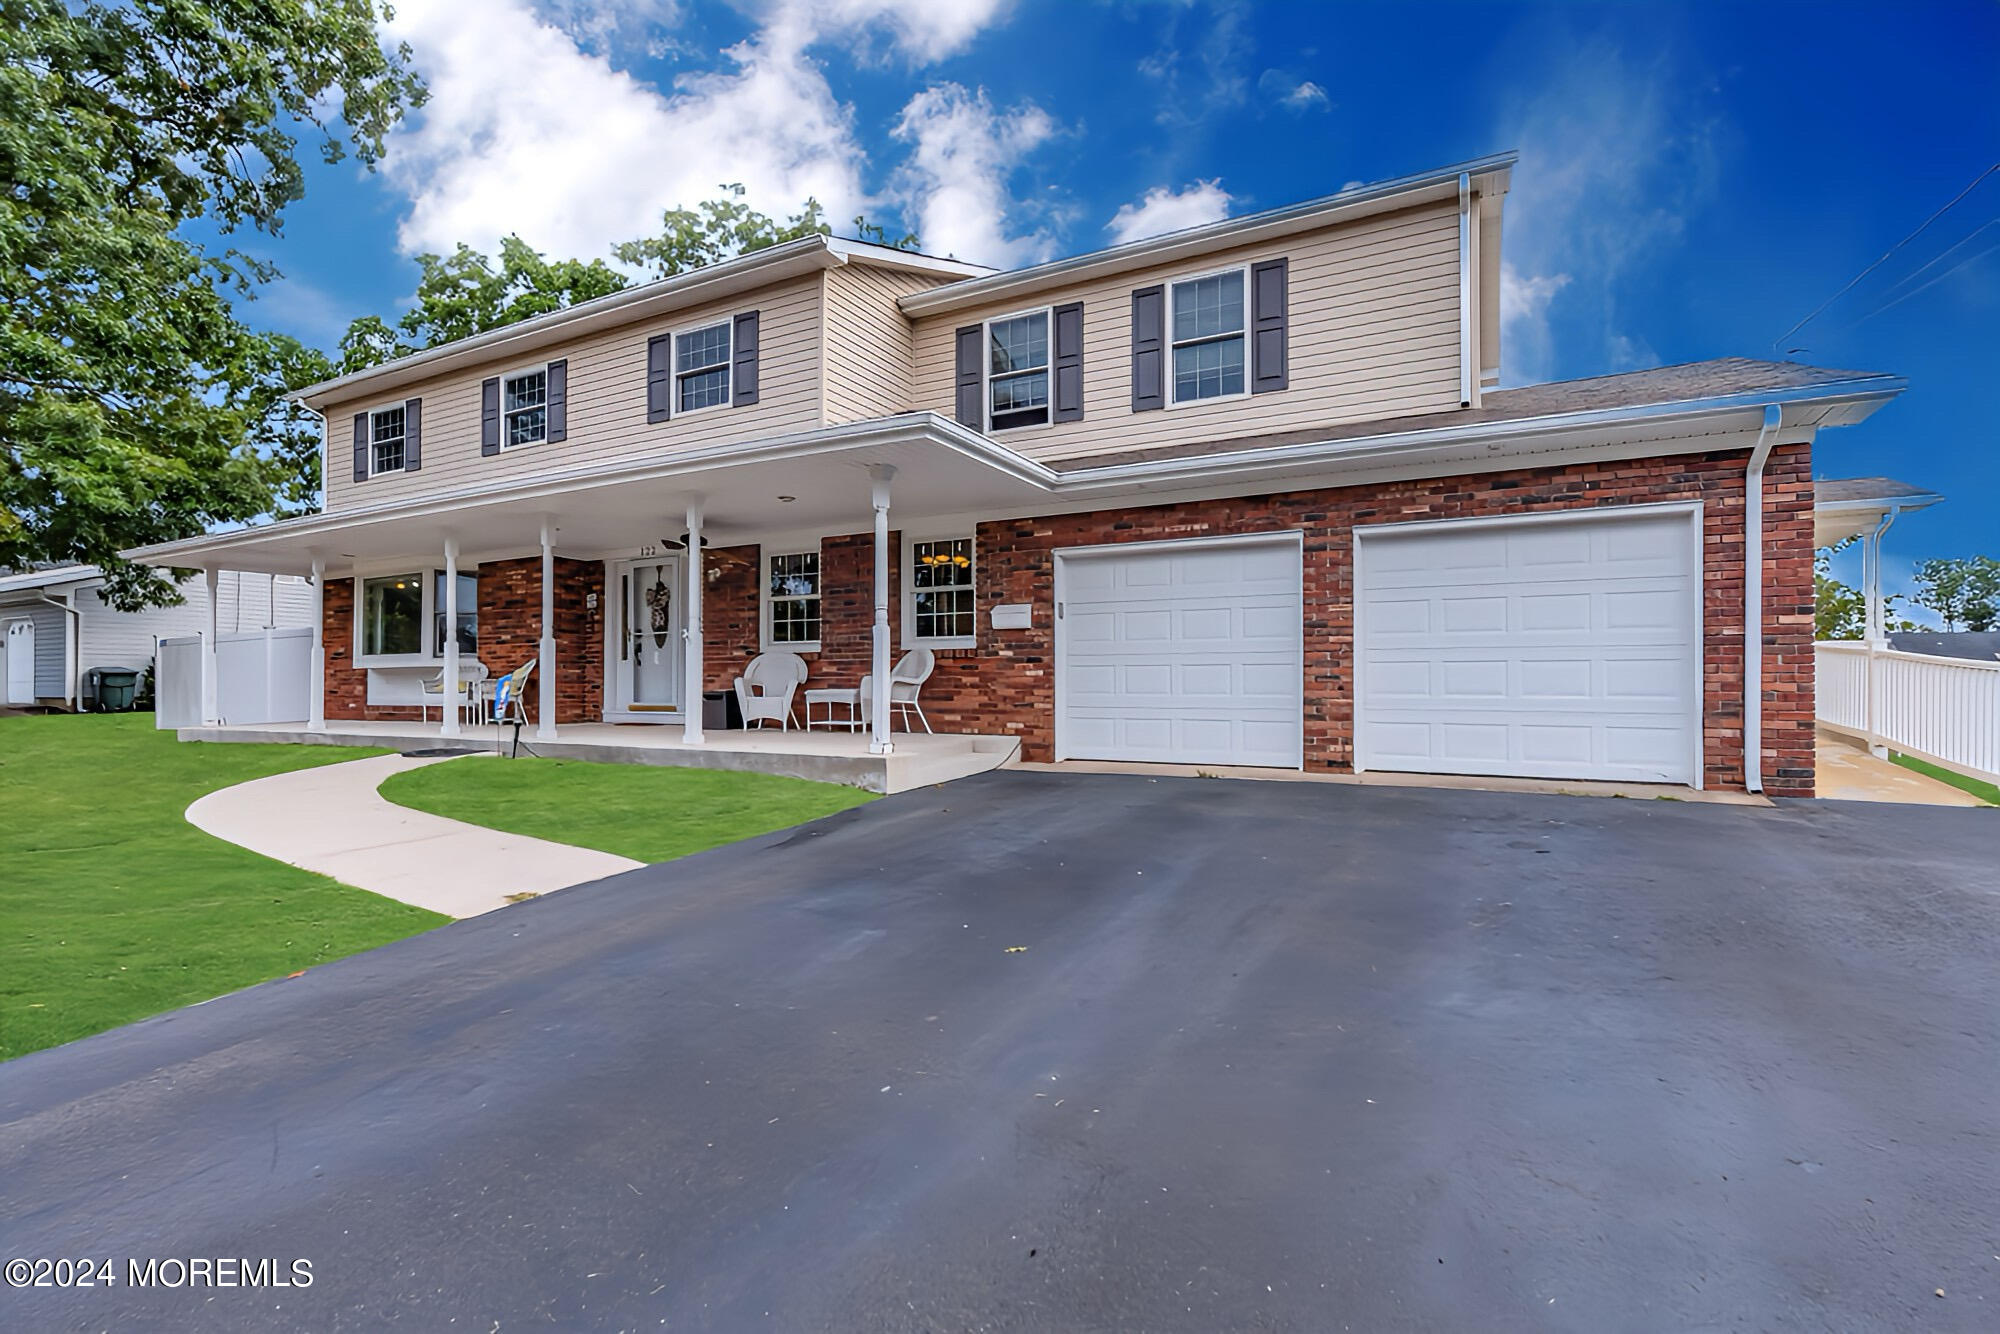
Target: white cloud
{"points": [[1615, 155], [1215, 79], [1292, 92], [1164, 209], [954, 186], [923, 31], [531, 128]]}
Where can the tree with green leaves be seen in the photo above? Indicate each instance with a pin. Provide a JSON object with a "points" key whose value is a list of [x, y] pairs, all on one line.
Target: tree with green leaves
{"points": [[1840, 611], [134, 406], [1965, 593]]}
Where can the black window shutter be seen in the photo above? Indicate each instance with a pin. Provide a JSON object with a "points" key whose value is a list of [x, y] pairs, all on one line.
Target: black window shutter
{"points": [[360, 446], [1068, 361], [489, 417], [1149, 349], [967, 407], [1268, 327], [413, 435], [659, 378], [558, 400], [743, 352]]}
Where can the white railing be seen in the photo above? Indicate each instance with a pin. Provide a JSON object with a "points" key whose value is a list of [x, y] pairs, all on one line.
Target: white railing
{"points": [[261, 676], [1945, 710]]}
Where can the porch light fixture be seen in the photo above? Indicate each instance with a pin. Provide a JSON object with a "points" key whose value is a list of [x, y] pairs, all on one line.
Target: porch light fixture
{"points": [[786, 500]]}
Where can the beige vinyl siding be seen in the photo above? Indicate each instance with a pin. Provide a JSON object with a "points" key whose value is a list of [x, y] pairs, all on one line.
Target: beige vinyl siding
{"points": [[607, 404], [1373, 332], [869, 349]]}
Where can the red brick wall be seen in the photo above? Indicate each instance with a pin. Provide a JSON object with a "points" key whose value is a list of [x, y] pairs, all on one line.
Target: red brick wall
{"points": [[1006, 683], [510, 617]]}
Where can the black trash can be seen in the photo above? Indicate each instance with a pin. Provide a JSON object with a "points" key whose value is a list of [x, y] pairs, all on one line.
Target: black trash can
{"points": [[720, 712], [111, 689]]}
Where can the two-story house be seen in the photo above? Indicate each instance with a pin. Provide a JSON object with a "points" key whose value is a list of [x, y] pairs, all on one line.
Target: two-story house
{"points": [[1244, 494]]}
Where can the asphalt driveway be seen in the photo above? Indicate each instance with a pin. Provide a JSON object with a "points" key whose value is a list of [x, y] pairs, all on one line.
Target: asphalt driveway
{"points": [[1083, 1052]]}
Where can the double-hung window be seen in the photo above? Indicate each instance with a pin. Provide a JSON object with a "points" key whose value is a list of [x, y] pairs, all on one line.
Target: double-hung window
{"points": [[392, 615], [1208, 341], [1017, 371], [941, 601], [792, 598], [524, 407], [388, 432], [701, 368]]}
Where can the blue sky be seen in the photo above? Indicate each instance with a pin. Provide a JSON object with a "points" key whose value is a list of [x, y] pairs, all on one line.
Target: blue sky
{"points": [[1693, 179]]}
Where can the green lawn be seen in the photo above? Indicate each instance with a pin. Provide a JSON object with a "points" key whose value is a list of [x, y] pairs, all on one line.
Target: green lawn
{"points": [[113, 907], [646, 812], [1986, 792]]}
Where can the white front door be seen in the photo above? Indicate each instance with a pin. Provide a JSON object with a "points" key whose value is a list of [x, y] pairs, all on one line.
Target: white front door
{"points": [[1557, 647], [1186, 652], [650, 652], [21, 662]]}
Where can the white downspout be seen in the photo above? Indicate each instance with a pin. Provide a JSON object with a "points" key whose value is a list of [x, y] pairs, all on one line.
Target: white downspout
{"points": [[316, 706], [1753, 600], [1876, 635], [1468, 374], [449, 726], [211, 698], [545, 696]]}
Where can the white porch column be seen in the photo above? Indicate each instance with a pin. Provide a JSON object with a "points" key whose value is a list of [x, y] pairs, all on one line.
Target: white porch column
{"points": [[210, 703], [545, 694], [879, 742], [316, 701], [449, 727], [691, 672]]}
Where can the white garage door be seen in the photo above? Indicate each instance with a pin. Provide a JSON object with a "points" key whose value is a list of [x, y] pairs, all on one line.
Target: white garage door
{"points": [[1181, 652], [1559, 649]]}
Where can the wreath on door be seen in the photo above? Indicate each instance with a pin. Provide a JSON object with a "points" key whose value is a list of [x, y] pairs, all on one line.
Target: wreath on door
{"points": [[659, 608]]}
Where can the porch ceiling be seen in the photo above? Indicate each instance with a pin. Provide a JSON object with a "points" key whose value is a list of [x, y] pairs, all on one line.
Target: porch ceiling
{"points": [[821, 486]]}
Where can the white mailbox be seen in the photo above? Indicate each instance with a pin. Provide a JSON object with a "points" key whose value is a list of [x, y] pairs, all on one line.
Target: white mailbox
{"points": [[1013, 616]]}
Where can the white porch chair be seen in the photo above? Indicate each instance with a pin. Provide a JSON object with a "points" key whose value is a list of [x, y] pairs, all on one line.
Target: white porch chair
{"points": [[906, 679], [471, 675], [764, 691], [515, 710]]}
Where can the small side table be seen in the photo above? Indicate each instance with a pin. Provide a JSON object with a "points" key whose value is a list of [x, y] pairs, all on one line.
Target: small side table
{"points": [[845, 698]]}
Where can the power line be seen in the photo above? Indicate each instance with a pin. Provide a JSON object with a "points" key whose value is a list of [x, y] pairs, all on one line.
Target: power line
{"points": [[1901, 290], [1885, 257]]}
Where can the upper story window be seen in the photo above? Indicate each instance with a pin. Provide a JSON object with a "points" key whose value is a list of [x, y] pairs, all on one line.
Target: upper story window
{"points": [[388, 432], [524, 403], [792, 599], [392, 615], [1017, 371], [1206, 319], [701, 368], [940, 610]]}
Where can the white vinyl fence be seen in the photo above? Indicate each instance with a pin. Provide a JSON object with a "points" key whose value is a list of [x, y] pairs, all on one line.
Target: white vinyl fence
{"points": [[177, 683], [261, 676], [1945, 710]]}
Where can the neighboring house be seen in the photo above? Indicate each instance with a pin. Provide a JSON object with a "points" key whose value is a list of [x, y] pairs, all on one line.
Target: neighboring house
{"points": [[1978, 645], [1241, 494], [55, 626]]}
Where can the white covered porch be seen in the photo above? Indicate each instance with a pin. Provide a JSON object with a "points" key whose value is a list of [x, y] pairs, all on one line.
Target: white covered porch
{"points": [[665, 514], [1943, 710]]}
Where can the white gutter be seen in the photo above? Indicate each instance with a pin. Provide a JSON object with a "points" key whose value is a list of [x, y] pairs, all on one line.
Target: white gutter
{"points": [[1753, 600], [74, 654], [1362, 199]]}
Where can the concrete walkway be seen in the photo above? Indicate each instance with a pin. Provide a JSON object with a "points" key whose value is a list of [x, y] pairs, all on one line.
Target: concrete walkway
{"points": [[333, 821], [1847, 772]]}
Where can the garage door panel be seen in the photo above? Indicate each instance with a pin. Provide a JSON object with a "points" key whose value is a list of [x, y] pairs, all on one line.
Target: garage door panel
{"points": [[1566, 650], [1194, 655]]}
